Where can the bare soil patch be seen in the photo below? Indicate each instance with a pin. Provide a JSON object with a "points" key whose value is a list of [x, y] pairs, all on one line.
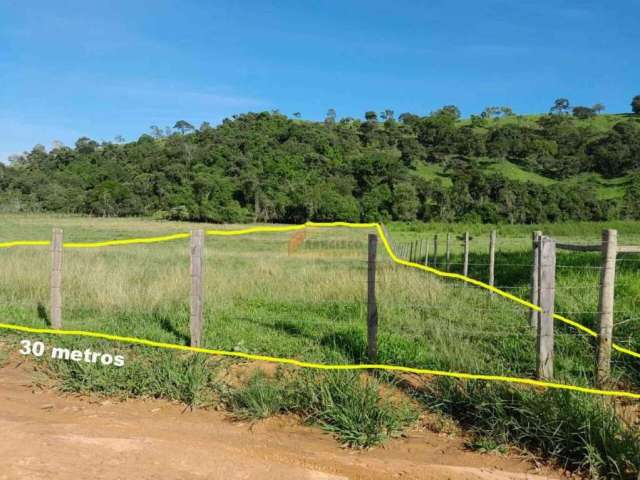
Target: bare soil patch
{"points": [[50, 436]]}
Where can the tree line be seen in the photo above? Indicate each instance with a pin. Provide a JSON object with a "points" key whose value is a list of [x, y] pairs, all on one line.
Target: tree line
{"points": [[267, 167]]}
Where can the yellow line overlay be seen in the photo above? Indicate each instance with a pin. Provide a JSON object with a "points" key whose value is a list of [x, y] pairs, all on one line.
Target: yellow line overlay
{"points": [[394, 258], [321, 366]]}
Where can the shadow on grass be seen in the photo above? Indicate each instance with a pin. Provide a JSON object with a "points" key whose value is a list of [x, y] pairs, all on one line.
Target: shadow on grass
{"points": [[167, 326], [42, 314], [289, 328], [351, 343]]}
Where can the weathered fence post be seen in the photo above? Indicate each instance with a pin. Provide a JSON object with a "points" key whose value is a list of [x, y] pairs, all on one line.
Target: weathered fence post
{"points": [[547, 280], [426, 256], [197, 286], [465, 269], [435, 250], [448, 252], [605, 308], [372, 308], [534, 316], [56, 278], [492, 257]]}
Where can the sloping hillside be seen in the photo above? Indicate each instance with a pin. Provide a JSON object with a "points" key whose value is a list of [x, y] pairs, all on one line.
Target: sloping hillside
{"points": [[267, 167], [606, 188]]}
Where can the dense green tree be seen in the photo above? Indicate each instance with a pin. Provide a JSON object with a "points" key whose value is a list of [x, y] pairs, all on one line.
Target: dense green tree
{"points": [[266, 167], [560, 106], [632, 198], [330, 117], [86, 145], [183, 126], [618, 151], [451, 111], [583, 112], [371, 117], [635, 104], [404, 201], [437, 133], [409, 119]]}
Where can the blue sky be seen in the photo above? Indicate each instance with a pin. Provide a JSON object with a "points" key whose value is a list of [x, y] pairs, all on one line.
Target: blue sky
{"points": [[102, 69]]}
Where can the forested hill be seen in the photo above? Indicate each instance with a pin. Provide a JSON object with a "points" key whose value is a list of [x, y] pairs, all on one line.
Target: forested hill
{"points": [[496, 167]]}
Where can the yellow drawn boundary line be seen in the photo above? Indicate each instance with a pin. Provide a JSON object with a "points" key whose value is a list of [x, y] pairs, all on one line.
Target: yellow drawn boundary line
{"points": [[291, 228], [321, 366]]}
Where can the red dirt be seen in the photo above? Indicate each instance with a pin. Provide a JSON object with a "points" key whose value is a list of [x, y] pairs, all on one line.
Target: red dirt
{"points": [[49, 436]]}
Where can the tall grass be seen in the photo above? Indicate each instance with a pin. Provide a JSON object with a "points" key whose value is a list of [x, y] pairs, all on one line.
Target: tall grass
{"points": [[578, 431], [346, 404], [150, 373]]}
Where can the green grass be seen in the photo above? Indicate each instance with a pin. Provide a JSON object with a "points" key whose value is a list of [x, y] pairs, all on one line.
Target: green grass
{"points": [[311, 306], [514, 172], [580, 431], [350, 406], [606, 188], [433, 171]]}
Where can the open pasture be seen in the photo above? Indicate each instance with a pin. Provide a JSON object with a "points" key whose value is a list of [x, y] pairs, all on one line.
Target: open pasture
{"points": [[309, 305]]}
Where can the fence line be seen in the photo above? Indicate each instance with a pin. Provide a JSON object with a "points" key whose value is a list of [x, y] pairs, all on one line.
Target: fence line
{"points": [[541, 295], [387, 242], [609, 249]]}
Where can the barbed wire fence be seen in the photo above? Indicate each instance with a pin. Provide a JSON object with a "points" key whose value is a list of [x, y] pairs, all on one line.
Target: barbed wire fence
{"points": [[542, 286]]}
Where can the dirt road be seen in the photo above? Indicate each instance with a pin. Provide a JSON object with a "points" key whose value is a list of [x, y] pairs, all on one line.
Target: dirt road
{"points": [[44, 435]]}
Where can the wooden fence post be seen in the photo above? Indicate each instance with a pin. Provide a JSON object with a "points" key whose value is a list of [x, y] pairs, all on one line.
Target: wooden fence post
{"points": [[56, 278], [605, 308], [435, 250], [465, 269], [197, 286], [547, 265], [448, 252], [534, 316], [492, 257], [426, 256], [426, 250], [372, 308]]}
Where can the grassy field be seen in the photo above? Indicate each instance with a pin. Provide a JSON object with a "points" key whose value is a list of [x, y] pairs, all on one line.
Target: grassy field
{"points": [[606, 188], [311, 305]]}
